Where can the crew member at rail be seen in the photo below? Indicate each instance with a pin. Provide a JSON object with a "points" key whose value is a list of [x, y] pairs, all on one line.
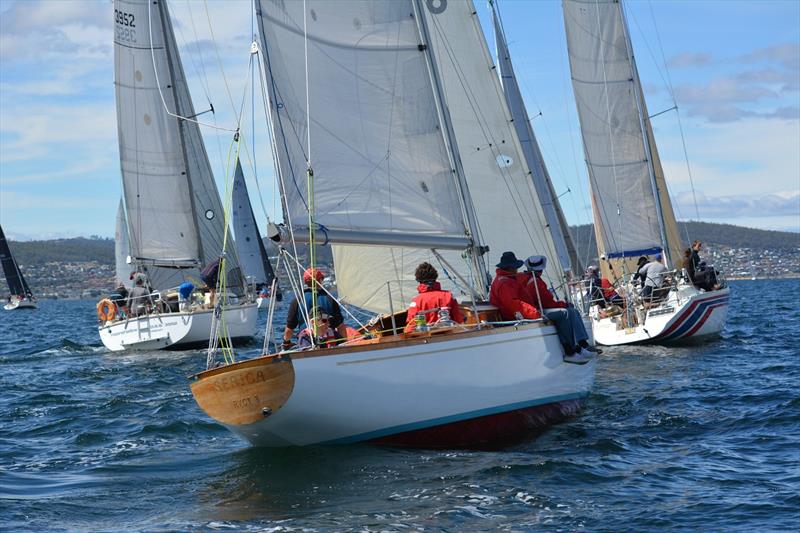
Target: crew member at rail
{"points": [[296, 317], [506, 292], [566, 318], [431, 298]]}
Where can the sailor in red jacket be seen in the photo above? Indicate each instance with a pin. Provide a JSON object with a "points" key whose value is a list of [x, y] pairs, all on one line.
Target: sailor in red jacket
{"points": [[431, 298], [506, 292], [566, 318]]}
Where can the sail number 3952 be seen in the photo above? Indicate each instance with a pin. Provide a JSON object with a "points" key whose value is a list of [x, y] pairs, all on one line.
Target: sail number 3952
{"points": [[124, 19], [124, 28]]}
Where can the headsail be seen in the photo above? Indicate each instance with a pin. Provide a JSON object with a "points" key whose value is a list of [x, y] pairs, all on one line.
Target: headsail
{"points": [[174, 211], [627, 195], [249, 245], [16, 281], [122, 249], [556, 222]]}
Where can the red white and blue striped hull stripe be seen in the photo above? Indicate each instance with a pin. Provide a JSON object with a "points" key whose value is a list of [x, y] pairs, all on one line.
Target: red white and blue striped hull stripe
{"points": [[692, 318]]}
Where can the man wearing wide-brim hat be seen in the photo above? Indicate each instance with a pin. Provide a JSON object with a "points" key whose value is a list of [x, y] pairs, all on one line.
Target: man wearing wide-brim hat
{"points": [[506, 293]]}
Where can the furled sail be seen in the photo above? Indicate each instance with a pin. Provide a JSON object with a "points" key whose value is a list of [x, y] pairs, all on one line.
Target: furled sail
{"points": [[174, 211], [627, 196], [122, 249], [556, 222], [249, 245], [382, 173], [14, 278]]}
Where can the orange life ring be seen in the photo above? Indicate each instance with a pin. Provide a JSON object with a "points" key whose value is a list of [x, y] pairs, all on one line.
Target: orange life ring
{"points": [[106, 310]]}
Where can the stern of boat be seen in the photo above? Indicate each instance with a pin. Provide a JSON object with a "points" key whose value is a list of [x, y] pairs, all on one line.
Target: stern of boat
{"points": [[245, 393]]}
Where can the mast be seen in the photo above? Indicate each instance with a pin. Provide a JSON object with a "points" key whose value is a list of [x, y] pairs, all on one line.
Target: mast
{"points": [[476, 251], [650, 164]]}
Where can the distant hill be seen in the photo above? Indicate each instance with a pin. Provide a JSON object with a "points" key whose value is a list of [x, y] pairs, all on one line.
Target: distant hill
{"points": [[707, 232], [36, 253]]}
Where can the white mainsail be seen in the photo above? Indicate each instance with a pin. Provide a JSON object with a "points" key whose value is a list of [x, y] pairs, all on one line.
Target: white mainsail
{"points": [[608, 96], [506, 203], [174, 211], [122, 249], [381, 168], [249, 246], [556, 222]]}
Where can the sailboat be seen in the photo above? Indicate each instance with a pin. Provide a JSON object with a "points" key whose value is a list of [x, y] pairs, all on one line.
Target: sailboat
{"points": [[249, 245], [175, 218], [412, 155], [633, 214], [21, 296]]}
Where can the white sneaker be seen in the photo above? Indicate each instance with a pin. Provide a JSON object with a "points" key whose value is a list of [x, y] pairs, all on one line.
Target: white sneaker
{"points": [[580, 358]]}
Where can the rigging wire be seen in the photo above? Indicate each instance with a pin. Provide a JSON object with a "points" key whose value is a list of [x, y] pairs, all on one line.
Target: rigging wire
{"points": [[158, 82], [677, 113]]}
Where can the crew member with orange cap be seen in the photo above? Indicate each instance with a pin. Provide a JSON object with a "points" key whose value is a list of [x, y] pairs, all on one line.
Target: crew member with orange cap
{"points": [[296, 315]]}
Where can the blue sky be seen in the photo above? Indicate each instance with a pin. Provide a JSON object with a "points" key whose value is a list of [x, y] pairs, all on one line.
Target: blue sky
{"points": [[734, 68]]}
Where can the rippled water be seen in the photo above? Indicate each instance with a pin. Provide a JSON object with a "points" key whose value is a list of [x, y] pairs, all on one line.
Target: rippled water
{"points": [[702, 438]]}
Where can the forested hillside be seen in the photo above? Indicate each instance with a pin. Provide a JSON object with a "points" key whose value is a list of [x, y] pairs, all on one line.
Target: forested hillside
{"points": [[707, 232], [76, 250]]}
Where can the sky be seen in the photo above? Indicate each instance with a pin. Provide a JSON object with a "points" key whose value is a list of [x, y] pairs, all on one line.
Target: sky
{"points": [[732, 67]]}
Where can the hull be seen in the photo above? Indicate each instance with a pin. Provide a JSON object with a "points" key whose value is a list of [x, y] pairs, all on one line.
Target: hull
{"points": [[178, 330], [20, 304], [461, 390], [687, 316]]}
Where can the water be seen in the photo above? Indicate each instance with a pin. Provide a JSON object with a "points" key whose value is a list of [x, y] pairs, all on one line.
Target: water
{"points": [[671, 439]]}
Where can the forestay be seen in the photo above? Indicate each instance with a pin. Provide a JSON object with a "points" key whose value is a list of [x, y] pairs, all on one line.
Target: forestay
{"points": [[174, 211], [607, 93]]}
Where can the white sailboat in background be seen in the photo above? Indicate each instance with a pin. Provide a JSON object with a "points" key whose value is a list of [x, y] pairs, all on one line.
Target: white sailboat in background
{"points": [[632, 210], [176, 221], [395, 145], [249, 245], [21, 296]]}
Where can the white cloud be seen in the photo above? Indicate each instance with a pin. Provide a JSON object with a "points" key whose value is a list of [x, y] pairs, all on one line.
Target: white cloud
{"points": [[779, 204], [751, 157], [54, 129], [689, 59], [50, 29]]}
